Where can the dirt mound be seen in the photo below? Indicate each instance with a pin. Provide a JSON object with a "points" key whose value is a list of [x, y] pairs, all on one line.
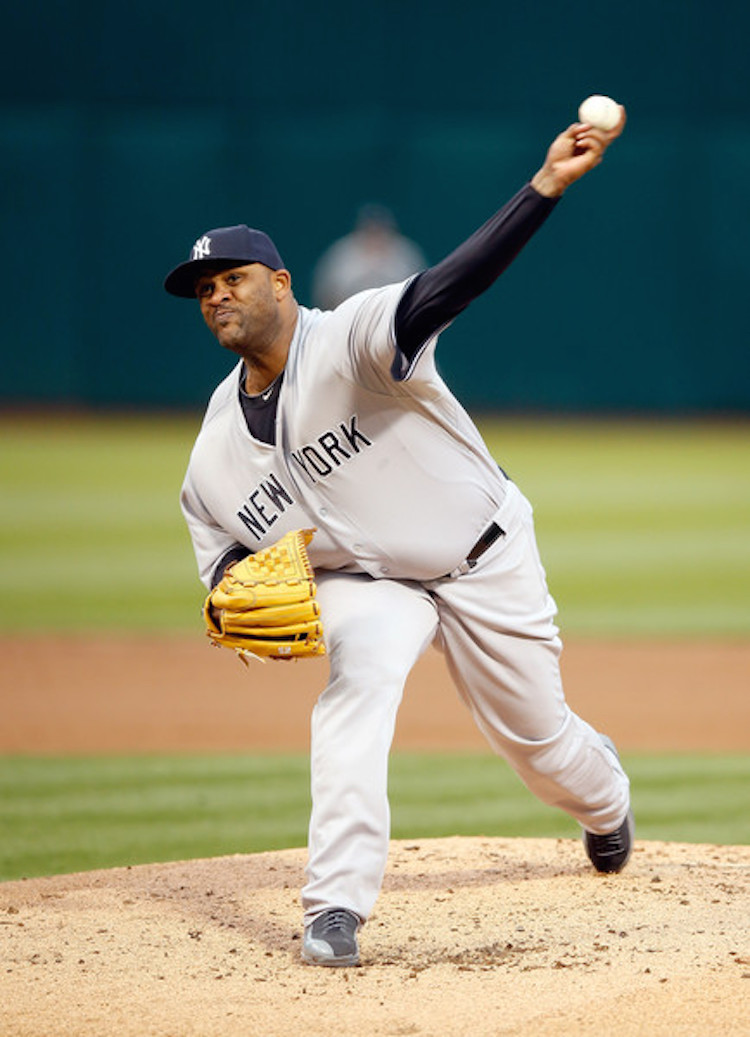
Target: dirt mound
{"points": [[472, 937]]}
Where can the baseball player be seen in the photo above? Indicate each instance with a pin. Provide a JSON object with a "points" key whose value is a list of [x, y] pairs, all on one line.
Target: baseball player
{"points": [[374, 253], [339, 421]]}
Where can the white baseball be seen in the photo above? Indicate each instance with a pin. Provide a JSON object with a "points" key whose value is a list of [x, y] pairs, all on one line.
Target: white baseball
{"points": [[600, 112]]}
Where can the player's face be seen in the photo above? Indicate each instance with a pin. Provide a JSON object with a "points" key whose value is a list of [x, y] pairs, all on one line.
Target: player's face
{"points": [[241, 306]]}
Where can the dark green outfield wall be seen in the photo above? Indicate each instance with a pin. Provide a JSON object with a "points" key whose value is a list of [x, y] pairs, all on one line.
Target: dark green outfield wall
{"points": [[127, 130]]}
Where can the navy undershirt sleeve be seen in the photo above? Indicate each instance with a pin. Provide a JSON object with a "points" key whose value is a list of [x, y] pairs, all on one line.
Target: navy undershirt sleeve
{"points": [[234, 554], [438, 294]]}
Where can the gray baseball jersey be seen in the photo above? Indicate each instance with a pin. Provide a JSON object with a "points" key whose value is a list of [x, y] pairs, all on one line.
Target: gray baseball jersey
{"points": [[390, 470], [373, 450]]}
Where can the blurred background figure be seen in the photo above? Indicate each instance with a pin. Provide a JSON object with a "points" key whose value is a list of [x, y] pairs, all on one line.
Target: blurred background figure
{"points": [[373, 254]]}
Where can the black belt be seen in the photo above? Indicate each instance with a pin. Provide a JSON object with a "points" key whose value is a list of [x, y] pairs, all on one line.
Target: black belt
{"points": [[486, 540]]}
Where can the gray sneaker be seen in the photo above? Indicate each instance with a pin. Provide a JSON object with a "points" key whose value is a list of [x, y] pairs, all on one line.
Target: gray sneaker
{"points": [[332, 939], [609, 853]]}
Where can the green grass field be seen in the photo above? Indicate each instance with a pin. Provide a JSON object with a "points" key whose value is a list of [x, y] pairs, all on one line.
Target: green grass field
{"points": [[89, 509], [643, 528], [70, 814]]}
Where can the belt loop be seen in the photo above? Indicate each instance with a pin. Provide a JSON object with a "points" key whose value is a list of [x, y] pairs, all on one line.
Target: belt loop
{"points": [[460, 570]]}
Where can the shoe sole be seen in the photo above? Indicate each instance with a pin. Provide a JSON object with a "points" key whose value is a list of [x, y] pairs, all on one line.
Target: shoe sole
{"points": [[332, 963]]}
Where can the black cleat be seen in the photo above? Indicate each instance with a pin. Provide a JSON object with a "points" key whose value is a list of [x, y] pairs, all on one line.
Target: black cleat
{"points": [[332, 939], [611, 852]]}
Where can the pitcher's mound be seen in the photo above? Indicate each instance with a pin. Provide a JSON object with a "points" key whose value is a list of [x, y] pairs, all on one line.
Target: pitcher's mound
{"points": [[474, 936]]}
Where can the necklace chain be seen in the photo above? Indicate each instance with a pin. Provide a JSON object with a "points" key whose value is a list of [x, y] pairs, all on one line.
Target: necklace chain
{"points": [[264, 394]]}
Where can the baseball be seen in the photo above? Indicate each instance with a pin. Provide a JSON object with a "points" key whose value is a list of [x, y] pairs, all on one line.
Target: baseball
{"points": [[600, 112]]}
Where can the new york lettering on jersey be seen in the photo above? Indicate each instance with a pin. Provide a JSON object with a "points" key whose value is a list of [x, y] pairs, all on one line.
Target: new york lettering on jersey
{"points": [[270, 499], [332, 448], [264, 505]]}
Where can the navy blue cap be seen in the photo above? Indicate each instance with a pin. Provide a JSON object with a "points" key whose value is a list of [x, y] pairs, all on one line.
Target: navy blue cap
{"points": [[222, 248]]}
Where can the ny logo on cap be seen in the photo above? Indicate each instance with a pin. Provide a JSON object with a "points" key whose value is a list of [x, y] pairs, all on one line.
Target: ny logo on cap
{"points": [[202, 248]]}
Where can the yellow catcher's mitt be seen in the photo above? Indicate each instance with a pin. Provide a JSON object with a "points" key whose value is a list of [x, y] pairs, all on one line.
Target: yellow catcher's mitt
{"points": [[265, 604]]}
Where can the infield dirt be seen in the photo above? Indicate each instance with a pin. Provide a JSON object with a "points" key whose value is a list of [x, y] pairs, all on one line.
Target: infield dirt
{"points": [[471, 936]]}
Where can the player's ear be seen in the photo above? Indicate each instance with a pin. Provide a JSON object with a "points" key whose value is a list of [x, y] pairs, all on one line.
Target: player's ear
{"points": [[282, 283]]}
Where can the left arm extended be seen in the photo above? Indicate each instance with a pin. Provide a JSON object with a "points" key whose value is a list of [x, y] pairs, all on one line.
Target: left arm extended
{"points": [[437, 295]]}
